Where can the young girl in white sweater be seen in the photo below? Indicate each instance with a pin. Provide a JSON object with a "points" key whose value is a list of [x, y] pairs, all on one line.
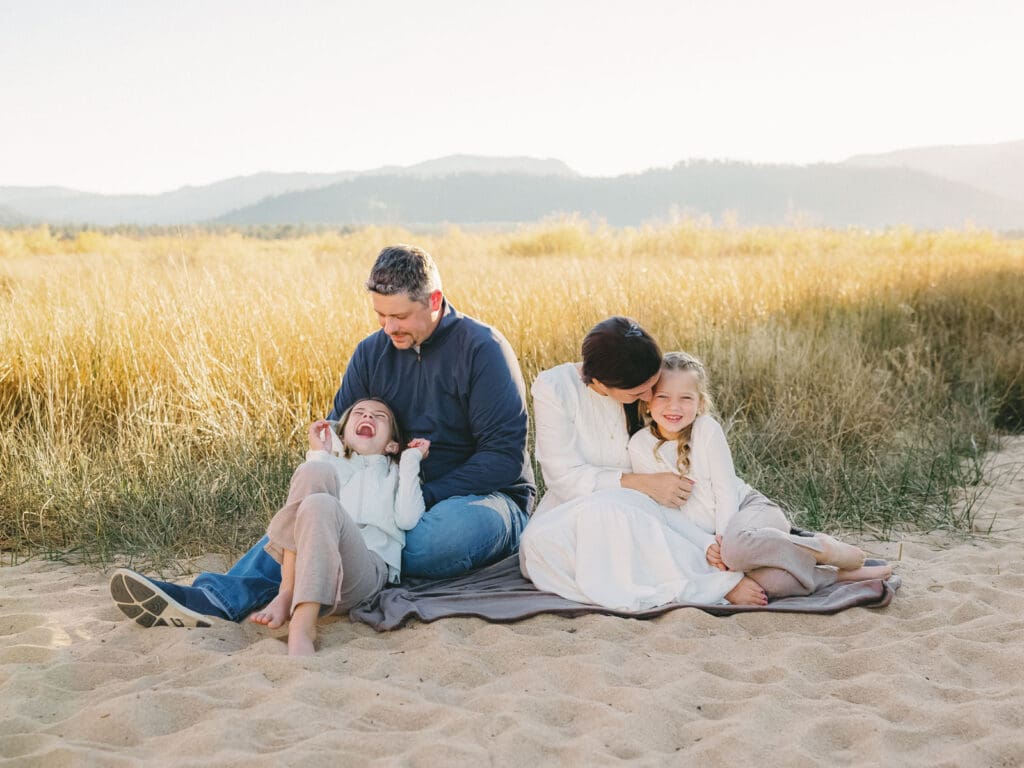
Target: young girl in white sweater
{"points": [[744, 531], [340, 535]]}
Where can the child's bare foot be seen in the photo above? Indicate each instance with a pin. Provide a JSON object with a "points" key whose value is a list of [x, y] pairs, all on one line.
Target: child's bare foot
{"points": [[865, 573], [302, 632], [276, 613], [747, 592], [300, 642], [843, 556]]}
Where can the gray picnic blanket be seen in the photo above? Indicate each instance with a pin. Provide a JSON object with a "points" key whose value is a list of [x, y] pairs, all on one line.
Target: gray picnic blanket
{"points": [[499, 593]]}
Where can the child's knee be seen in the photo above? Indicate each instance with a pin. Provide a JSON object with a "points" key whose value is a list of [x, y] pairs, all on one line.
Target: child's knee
{"points": [[313, 477], [736, 548]]}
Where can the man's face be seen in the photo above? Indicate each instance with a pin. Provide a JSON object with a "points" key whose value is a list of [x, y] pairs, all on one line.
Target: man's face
{"points": [[407, 323]]}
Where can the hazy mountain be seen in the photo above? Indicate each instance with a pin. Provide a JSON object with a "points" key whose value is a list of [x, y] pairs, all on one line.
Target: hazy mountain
{"points": [[825, 195], [193, 204], [995, 168], [10, 218], [874, 191], [457, 164], [60, 206]]}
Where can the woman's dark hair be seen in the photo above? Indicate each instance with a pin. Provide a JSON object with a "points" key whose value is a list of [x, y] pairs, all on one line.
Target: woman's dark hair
{"points": [[620, 354]]}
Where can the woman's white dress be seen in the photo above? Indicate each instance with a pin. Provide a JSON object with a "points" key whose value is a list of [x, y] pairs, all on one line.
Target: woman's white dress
{"points": [[591, 540]]}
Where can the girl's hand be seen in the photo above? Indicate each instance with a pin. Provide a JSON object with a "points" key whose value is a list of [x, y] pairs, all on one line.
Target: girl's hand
{"points": [[714, 554], [320, 436], [421, 444]]}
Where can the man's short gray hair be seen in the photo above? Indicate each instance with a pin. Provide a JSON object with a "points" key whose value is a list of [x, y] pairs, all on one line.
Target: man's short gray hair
{"points": [[404, 269]]}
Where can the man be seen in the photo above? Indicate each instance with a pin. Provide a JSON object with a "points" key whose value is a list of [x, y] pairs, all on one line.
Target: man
{"points": [[448, 378]]}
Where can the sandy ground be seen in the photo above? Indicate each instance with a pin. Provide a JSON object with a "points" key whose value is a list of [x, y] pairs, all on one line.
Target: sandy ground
{"points": [[937, 678]]}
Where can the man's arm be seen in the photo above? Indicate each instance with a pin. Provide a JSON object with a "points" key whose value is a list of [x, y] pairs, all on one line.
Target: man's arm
{"points": [[498, 421]]}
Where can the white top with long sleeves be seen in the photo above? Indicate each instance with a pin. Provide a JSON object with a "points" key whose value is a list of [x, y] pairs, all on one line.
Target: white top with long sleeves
{"points": [[582, 437], [717, 491], [385, 499], [592, 540]]}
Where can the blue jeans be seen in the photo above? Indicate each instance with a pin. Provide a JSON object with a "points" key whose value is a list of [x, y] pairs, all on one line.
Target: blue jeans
{"points": [[454, 536]]}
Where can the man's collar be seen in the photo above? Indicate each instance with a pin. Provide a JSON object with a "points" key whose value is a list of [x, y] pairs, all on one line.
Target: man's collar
{"points": [[448, 317]]}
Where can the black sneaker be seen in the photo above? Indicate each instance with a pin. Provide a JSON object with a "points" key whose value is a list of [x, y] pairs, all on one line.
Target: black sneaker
{"points": [[142, 600]]}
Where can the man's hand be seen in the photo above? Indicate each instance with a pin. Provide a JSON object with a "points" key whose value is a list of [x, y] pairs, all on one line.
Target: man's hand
{"points": [[320, 436], [714, 554]]}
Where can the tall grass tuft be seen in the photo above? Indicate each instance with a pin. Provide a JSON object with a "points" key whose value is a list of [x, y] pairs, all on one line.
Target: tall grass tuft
{"points": [[154, 391]]}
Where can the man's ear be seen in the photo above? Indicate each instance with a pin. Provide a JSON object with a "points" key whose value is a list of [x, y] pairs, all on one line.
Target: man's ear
{"points": [[435, 301], [391, 448]]}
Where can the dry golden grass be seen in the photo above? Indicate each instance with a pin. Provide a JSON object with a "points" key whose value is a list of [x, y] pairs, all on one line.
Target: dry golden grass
{"points": [[154, 391]]}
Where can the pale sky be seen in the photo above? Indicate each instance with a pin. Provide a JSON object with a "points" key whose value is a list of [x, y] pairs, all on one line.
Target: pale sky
{"points": [[146, 96]]}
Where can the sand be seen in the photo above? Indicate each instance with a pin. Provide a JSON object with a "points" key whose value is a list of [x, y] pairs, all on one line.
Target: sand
{"points": [[937, 678]]}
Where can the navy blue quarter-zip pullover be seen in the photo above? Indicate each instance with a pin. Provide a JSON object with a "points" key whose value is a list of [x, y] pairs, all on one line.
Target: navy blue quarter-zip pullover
{"points": [[462, 390]]}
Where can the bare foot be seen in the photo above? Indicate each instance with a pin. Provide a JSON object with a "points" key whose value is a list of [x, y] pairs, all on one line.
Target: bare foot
{"points": [[276, 613], [747, 592], [302, 632], [843, 556], [301, 643], [865, 573]]}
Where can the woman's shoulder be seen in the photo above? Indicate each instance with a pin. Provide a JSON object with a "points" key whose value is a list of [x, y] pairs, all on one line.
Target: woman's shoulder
{"points": [[561, 378]]}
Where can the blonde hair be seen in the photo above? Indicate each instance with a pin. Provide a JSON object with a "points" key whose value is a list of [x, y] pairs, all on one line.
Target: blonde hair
{"points": [[683, 362]]}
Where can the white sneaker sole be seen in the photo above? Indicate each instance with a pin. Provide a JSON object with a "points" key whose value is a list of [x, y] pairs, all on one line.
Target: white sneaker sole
{"points": [[148, 605]]}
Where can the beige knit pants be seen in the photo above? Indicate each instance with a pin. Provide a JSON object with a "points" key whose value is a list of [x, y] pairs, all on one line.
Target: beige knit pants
{"points": [[333, 566], [758, 542]]}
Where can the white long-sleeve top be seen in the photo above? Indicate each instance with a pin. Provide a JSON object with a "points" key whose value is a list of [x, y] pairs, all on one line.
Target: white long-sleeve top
{"points": [[582, 439], [385, 499], [717, 491]]}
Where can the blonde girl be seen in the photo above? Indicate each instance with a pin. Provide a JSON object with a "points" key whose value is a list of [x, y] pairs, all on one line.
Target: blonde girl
{"points": [[744, 530]]}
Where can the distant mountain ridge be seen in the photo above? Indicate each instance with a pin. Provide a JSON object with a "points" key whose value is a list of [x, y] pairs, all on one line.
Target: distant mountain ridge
{"points": [[818, 195], [190, 204], [926, 188], [995, 168]]}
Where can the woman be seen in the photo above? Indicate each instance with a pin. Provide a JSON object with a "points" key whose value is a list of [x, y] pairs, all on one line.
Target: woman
{"points": [[603, 534]]}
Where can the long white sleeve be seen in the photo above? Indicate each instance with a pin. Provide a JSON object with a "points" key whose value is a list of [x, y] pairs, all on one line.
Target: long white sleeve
{"points": [[409, 504], [685, 527], [710, 441], [569, 450], [645, 460]]}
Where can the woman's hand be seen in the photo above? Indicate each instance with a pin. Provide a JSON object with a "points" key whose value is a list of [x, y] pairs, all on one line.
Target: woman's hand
{"points": [[421, 444], [714, 554], [320, 436], [666, 488]]}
